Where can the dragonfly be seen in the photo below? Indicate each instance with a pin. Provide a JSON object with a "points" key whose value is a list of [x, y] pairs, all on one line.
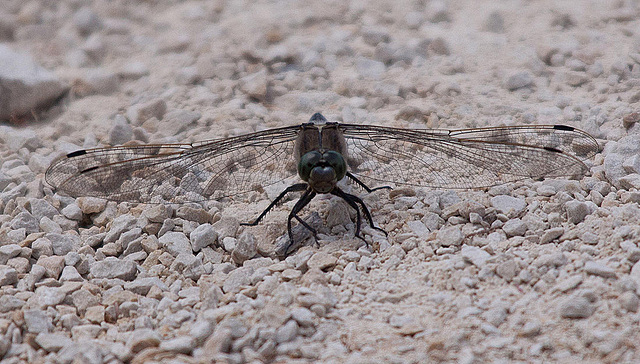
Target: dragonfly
{"points": [[322, 153]]}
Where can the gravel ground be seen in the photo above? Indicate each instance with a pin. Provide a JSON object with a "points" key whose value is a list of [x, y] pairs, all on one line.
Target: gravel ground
{"points": [[536, 271]]}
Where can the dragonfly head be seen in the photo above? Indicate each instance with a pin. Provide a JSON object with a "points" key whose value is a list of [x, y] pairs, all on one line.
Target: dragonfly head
{"points": [[322, 169]]}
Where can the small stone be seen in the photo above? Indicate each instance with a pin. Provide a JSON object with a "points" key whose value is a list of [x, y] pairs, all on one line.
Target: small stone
{"points": [[86, 21], [255, 85], [176, 243], [576, 211], [63, 243], [188, 265], [287, 332], [494, 23], [291, 274], [237, 279], [495, 316], [9, 251], [70, 274], [531, 329], [181, 344], [53, 265], [112, 267], [134, 70], [576, 79], [514, 227], [322, 261], [37, 321], [551, 234], [72, 212], [95, 314], [96, 81], [474, 255], [507, 269], [141, 339], [576, 307], [508, 205], [201, 330], [371, 69], [27, 221], [518, 80], [304, 317], [121, 132], [599, 269], [629, 301], [10, 303], [8, 276], [450, 236], [91, 205], [26, 87], [245, 248], [52, 342], [85, 331]]}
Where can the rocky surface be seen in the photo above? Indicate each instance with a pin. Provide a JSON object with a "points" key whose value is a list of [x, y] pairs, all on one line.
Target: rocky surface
{"points": [[534, 271]]}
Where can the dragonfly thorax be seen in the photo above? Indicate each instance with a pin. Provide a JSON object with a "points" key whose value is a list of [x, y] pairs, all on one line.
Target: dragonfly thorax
{"points": [[322, 169]]}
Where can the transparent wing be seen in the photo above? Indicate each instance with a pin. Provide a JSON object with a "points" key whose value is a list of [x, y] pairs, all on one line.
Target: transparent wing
{"points": [[466, 158], [178, 172]]}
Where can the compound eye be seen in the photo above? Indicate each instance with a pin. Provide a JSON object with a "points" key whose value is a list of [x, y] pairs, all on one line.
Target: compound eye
{"points": [[306, 164], [336, 161]]}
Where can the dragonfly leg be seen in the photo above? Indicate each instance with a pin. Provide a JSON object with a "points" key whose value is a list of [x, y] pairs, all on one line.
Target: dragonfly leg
{"points": [[361, 184], [304, 200], [294, 188], [354, 201]]}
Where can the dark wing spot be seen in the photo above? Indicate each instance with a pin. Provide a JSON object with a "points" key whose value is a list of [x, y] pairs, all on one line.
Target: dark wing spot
{"points": [[564, 127], [76, 153]]}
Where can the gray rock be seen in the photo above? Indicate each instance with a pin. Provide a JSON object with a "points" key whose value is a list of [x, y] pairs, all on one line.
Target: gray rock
{"points": [[53, 265], [86, 21], [118, 226], [246, 248], [97, 81], [40, 208], [27, 221], [203, 236], [237, 278], [371, 69], [70, 274], [474, 255], [494, 23], [46, 297], [142, 286], [158, 213], [551, 235], [507, 269], [287, 332], [177, 121], [576, 307], [41, 247], [508, 205], [514, 227], [576, 211], [10, 303], [418, 228], [52, 342], [550, 260], [304, 317], [518, 80], [91, 205], [188, 265], [9, 251], [121, 132], [255, 85], [85, 331], [26, 86], [37, 321], [181, 344], [112, 267], [72, 211], [450, 236], [495, 316], [49, 226], [176, 243], [134, 70], [201, 330], [63, 243], [629, 301], [8, 276], [599, 269]]}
